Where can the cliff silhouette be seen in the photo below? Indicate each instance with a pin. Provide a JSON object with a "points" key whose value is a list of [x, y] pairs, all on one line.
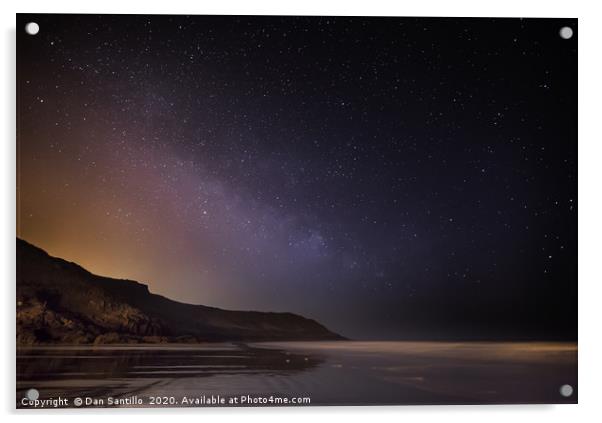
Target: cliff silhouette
{"points": [[59, 302]]}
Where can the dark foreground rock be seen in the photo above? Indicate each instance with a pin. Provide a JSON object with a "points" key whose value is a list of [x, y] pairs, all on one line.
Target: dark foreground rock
{"points": [[61, 302]]}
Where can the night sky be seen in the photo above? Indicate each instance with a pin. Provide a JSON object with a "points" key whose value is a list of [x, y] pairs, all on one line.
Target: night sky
{"points": [[392, 178]]}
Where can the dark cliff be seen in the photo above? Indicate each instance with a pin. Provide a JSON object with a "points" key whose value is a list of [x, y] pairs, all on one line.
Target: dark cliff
{"points": [[60, 302]]}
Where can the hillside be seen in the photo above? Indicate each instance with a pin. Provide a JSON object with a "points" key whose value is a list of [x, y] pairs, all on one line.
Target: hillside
{"points": [[61, 302]]}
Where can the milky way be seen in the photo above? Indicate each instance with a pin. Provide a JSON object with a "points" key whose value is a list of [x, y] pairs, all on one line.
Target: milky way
{"points": [[391, 178]]}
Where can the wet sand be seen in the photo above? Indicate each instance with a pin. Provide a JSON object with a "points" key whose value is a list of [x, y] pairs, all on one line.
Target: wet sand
{"points": [[328, 373]]}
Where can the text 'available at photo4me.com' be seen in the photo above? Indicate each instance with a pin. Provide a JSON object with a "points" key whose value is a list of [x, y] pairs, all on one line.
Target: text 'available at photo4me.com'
{"points": [[245, 400]]}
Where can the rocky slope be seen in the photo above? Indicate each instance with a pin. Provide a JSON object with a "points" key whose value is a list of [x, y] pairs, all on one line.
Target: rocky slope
{"points": [[60, 302]]}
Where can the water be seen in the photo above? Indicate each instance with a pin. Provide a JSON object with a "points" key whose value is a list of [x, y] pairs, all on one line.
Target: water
{"points": [[328, 373]]}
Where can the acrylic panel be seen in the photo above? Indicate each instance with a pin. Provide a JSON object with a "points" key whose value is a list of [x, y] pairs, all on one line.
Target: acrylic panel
{"points": [[295, 211]]}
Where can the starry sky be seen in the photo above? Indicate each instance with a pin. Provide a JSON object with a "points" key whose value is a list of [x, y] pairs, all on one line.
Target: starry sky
{"points": [[392, 178]]}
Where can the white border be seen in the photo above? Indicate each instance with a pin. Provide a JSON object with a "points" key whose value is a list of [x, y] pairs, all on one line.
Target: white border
{"points": [[590, 210]]}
